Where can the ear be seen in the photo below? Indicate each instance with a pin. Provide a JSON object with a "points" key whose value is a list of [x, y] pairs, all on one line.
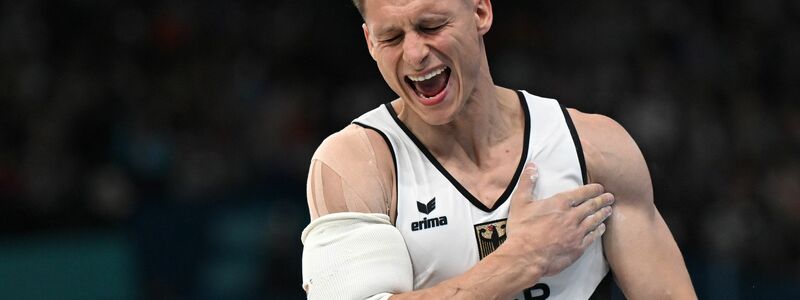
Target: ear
{"points": [[370, 45], [483, 15]]}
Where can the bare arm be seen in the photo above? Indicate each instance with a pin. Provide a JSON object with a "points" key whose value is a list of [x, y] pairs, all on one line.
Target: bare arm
{"points": [[352, 171], [639, 247]]}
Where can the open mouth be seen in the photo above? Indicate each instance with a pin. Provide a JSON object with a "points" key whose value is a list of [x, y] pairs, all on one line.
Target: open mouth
{"points": [[430, 85]]}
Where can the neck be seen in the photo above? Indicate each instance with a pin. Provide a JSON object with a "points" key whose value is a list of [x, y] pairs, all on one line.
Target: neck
{"points": [[489, 117]]}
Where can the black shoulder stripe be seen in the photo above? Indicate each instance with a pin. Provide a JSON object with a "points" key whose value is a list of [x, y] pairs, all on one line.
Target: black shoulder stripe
{"points": [[577, 141], [394, 161]]}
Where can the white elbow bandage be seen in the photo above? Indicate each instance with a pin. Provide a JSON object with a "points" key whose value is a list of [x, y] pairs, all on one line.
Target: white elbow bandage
{"points": [[354, 256]]}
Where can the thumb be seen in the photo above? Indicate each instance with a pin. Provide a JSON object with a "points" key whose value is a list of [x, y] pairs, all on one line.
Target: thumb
{"points": [[527, 182]]}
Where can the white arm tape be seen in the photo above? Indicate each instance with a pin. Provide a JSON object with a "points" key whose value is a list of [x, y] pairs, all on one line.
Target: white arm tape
{"points": [[355, 256]]}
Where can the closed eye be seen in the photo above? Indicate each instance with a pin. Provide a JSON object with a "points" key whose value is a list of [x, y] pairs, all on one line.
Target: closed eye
{"points": [[431, 29], [391, 40]]}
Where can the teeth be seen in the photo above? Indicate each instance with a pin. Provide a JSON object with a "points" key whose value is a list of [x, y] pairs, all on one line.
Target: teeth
{"points": [[428, 76]]}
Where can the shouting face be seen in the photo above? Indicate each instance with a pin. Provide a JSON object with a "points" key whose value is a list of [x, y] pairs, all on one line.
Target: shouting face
{"points": [[430, 52]]}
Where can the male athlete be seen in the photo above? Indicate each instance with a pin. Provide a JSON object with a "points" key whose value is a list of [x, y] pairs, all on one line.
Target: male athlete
{"points": [[461, 189]]}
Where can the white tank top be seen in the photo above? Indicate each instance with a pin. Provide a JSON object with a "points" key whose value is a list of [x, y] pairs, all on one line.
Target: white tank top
{"points": [[447, 230]]}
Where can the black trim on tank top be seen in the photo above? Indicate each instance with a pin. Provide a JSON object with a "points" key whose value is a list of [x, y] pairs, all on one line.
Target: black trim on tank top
{"points": [[394, 161], [607, 288], [577, 141], [471, 198]]}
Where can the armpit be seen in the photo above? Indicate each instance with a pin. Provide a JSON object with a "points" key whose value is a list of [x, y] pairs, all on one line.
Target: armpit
{"points": [[347, 175]]}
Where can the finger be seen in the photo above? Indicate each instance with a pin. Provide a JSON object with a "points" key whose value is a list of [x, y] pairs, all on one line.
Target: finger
{"points": [[593, 205], [593, 235], [528, 178], [527, 182], [593, 221], [583, 193]]}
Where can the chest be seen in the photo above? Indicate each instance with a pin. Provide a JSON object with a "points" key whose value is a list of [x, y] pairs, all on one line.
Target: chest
{"points": [[445, 232], [486, 184], [448, 229]]}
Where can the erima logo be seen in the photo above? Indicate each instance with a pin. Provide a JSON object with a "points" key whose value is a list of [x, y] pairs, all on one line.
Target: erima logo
{"points": [[427, 208], [426, 223]]}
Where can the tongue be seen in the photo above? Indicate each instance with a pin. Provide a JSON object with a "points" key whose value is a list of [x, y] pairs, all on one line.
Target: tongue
{"points": [[433, 86]]}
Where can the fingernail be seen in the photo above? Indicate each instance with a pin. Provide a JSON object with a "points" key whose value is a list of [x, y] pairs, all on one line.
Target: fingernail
{"points": [[534, 173]]}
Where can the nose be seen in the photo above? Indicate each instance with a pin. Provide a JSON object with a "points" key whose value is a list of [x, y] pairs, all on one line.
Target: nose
{"points": [[415, 51]]}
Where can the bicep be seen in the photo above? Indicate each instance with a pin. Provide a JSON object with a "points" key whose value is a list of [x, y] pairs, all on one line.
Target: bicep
{"points": [[351, 249], [635, 239], [641, 251], [354, 256], [329, 193], [638, 245]]}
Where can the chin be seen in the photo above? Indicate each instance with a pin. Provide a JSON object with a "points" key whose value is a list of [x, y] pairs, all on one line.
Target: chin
{"points": [[442, 114]]}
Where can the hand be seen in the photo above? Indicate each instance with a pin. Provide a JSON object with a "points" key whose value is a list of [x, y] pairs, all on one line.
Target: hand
{"points": [[554, 232]]}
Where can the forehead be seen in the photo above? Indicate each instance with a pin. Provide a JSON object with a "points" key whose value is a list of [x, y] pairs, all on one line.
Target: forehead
{"points": [[389, 11]]}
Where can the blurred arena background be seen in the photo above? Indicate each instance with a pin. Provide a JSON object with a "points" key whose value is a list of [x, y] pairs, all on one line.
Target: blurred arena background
{"points": [[158, 149]]}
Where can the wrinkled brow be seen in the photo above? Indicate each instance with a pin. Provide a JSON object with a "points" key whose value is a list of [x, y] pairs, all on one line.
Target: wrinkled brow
{"points": [[422, 20]]}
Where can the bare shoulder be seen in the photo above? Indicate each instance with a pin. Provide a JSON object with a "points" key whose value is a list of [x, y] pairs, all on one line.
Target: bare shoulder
{"points": [[639, 248], [357, 148], [351, 171], [612, 157], [352, 145]]}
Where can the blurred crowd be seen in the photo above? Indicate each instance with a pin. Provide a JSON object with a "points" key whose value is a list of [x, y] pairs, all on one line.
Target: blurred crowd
{"points": [[186, 128]]}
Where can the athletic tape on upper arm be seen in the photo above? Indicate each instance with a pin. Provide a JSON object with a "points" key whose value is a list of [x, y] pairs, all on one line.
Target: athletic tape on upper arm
{"points": [[347, 175], [354, 256]]}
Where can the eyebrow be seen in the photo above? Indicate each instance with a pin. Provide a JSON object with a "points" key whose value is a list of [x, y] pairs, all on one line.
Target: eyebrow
{"points": [[424, 19]]}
